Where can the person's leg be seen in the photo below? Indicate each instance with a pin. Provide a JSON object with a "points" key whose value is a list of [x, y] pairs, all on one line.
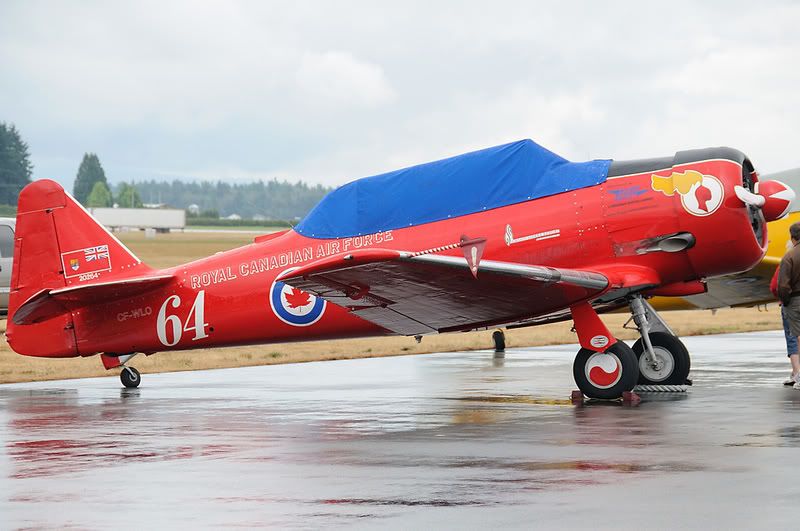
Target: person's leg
{"points": [[791, 348]]}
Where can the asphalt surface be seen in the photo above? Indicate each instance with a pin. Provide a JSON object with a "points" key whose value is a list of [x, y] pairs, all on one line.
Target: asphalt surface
{"points": [[456, 440]]}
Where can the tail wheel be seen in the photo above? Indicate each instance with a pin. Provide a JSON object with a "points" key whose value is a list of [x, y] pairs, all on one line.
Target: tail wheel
{"points": [[671, 364], [606, 374], [130, 377]]}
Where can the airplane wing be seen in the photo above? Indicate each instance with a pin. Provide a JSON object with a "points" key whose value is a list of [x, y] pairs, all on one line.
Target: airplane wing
{"points": [[743, 289], [410, 293], [49, 303], [747, 289]]}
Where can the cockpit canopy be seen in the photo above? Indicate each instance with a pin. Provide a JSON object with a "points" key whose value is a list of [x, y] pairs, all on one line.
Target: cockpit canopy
{"points": [[456, 186]]}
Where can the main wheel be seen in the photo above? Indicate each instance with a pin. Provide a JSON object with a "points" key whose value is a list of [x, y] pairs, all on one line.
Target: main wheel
{"points": [[672, 363], [130, 377], [606, 374]]}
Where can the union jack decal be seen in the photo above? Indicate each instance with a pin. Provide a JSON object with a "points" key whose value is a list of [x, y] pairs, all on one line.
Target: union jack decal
{"points": [[89, 260], [95, 253]]}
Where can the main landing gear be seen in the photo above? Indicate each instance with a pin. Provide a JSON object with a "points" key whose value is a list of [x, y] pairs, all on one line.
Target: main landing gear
{"points": [[606, 374], [606, 368], [663, 358]]}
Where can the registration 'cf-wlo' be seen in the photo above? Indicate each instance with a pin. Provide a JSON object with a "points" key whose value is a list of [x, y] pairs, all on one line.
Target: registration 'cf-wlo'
{"points": [[512, 235]]}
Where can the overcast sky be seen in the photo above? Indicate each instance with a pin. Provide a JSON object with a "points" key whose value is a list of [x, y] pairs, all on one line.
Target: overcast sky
{"points": [[330, 91]]}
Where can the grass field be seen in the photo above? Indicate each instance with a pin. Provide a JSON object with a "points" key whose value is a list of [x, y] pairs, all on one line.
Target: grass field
{"points": [[166, 250]]}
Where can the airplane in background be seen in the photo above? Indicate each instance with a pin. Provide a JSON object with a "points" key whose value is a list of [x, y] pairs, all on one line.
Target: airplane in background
{"points": [[513, 235]]}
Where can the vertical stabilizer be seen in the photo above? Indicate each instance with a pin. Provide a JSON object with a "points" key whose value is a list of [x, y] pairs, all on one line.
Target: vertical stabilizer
{"points": [[59, 244]]}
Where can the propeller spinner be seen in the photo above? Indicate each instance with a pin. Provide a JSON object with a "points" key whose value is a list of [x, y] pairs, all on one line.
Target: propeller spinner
{"points": [[773, 198]]}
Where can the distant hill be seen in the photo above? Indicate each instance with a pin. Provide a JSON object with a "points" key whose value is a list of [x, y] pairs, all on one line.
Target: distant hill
{"points": [[271, 199]]}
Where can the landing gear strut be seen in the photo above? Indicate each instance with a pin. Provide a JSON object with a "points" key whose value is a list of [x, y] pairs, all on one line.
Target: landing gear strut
{"points": [[663, 358], [130, 377]]}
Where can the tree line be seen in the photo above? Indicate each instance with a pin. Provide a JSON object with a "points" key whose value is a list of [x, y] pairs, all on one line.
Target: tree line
{"points": [[92, 190], [273, 199], [15, 164], [270, 200]]}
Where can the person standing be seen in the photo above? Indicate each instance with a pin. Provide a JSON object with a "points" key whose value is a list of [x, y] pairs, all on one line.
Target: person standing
{"points": [[791, 340], [789, 285]]}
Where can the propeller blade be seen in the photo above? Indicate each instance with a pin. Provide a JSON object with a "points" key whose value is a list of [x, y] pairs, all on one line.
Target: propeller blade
{"points": [[748, 197]]}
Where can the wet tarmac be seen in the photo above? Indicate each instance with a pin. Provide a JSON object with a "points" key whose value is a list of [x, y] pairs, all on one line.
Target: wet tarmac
{"points": [[457, 440]]}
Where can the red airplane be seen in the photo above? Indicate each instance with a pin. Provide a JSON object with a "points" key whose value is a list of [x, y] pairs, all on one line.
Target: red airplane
{"points": [[507, 236]]}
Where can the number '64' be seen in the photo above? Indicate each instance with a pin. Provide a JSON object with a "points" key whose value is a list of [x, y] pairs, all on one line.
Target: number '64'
{"points": [[169, 327]]}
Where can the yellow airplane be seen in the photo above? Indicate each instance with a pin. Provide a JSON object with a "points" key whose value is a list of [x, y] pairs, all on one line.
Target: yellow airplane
{"points": [[750, 288]]}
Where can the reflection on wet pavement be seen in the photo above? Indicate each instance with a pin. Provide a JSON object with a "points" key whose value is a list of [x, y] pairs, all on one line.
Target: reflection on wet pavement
{"points": [[447, 440]]}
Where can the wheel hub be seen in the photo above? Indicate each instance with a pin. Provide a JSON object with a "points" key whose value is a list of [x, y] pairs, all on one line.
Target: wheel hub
{"points": [[603, 369], [658, 367], [656, 363]]}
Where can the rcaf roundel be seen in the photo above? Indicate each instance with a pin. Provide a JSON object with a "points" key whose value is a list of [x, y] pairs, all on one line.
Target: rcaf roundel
{"points": [[294, 306]]}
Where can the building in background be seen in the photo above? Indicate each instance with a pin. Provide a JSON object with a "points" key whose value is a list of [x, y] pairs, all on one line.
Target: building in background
{"points": [[160, 219]]}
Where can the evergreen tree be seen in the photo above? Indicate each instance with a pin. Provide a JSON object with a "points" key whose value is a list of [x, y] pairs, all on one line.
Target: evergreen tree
{"points": [[89, 173], [15, 165], [100, 196], [128, 196]]}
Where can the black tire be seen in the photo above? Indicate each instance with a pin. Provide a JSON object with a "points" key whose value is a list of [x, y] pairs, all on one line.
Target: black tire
{"points": [[625, 379], [665, 345], [499, 339], [130, 377]]}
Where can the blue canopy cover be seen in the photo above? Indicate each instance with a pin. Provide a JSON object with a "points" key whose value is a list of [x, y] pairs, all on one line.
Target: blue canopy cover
{"points": [[448, 188]]}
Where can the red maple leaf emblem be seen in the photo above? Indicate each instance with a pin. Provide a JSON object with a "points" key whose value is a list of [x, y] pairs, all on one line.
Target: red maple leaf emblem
{"points": [[297, 298]]}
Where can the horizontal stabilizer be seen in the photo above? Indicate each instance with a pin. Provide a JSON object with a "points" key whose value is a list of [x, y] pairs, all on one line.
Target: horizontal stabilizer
{"points": [[49, 303]]}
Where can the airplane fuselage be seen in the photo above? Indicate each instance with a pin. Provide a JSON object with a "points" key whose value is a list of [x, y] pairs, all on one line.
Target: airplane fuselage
{"points": [[615, 228]]}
